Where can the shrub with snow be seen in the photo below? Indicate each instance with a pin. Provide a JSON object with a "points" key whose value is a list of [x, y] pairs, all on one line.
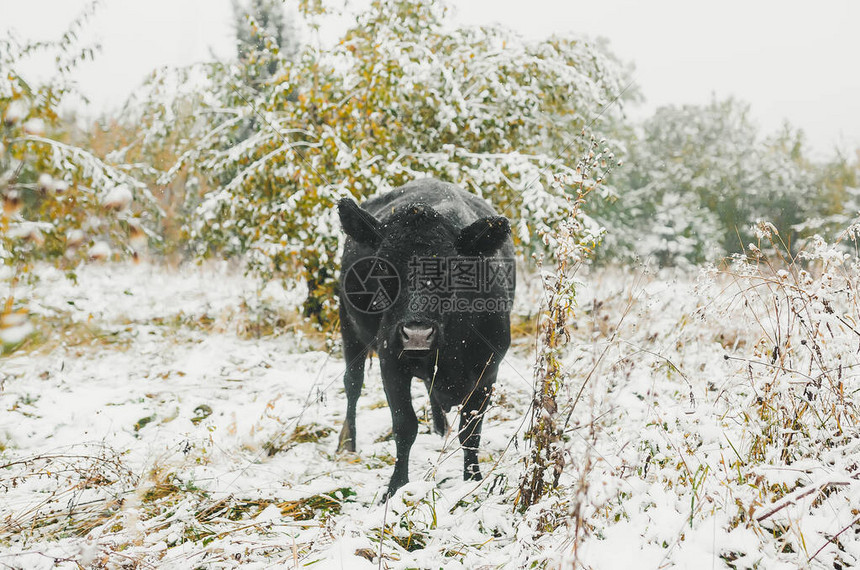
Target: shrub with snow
{"points": [[402, 95]]}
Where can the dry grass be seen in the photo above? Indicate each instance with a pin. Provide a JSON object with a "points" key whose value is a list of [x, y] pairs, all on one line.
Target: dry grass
{"points": [[61, 331], [305, 433]]}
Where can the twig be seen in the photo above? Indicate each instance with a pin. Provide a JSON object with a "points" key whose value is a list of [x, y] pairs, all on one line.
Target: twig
{"points": [[832, 538], [382, 531], [799, 494]]}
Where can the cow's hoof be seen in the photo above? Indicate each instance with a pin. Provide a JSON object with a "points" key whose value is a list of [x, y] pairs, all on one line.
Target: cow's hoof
{"points": [[345, 441], [393, 487], [387, 495]]}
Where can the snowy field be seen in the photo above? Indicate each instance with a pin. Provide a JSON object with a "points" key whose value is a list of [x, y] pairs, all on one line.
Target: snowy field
{"points": [[189, 419]]}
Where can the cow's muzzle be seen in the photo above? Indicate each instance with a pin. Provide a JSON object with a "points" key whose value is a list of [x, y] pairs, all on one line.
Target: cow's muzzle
{"points": [[417, 337]]}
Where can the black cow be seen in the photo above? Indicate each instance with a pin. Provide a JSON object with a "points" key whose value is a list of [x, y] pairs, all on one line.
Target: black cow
{"points": [[427, 282]]}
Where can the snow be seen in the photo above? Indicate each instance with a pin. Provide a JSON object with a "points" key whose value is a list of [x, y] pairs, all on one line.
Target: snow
{"points": [[14, 332], [46, 182], [35, 126], [16, 111], [117, 198], [138, 428], [100, 250]]}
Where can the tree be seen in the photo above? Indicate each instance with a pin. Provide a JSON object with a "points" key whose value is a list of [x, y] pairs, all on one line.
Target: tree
{"points": [[696, 180], [838, 204], [402, 95], [60, 202], [263, 35]]}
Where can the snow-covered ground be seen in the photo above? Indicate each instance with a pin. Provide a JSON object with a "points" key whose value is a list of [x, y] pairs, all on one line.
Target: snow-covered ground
{"points": [[157, 419]]}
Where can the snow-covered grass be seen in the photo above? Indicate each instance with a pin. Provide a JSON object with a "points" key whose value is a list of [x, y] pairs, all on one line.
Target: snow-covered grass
{"points": [[186, 418]]}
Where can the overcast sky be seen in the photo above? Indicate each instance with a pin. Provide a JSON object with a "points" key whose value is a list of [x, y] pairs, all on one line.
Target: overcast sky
{"points": [[795, 61]]}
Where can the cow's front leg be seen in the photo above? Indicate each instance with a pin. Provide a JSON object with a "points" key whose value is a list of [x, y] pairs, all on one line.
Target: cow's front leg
{"points": [[404, 422], [471, 420], [355, 355]]}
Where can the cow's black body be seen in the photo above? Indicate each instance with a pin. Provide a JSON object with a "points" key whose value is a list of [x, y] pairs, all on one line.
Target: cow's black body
{"points": [[425, 218]]}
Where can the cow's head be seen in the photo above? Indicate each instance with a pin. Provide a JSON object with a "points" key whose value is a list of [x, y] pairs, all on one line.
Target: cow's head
{"points": [[409, 240]]}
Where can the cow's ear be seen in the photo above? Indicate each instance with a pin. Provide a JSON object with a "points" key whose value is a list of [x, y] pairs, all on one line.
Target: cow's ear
{"points": [[483, 237], [359, 224]]}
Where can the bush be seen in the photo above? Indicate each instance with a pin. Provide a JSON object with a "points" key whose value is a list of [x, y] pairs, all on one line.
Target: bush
{"points": [[697, 178], [400, 96], [60, 201]]}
